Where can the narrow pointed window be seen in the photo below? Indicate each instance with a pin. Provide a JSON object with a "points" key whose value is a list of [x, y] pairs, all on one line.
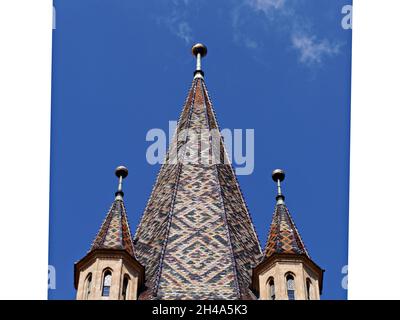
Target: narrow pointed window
{"points": [[271, 289], [125, 288], [290, 287], [308, 289], [88, 286], [106, 283]]}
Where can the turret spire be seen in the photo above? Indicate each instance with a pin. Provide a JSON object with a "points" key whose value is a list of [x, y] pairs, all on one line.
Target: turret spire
{"points": [[284, 256], [115, 232], [199, 50], [111, 257], [283, 236], [278, 175], [121, 172]]}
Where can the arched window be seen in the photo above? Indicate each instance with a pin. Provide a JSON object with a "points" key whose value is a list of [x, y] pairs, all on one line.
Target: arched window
{"points": [[88, 286], [308, 289], [290, 287], [271, 289], [125, 287], [107, 277]]}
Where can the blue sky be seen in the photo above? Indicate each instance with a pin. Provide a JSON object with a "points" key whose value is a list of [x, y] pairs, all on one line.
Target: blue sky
{"points": [[123, 67]]}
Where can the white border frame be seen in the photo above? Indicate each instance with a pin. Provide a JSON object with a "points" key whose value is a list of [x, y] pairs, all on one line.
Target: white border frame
{"points": [[25, 98], [25, 78], [374, 252]]}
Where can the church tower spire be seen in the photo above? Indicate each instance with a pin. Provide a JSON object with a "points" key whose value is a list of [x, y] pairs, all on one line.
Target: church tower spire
{"points": [[196, 238], [286, 271], [110, 271]]}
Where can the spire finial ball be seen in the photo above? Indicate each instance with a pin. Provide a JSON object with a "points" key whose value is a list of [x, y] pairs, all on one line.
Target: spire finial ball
{"points": [[199, 48], [121, 171], [278, 174]]}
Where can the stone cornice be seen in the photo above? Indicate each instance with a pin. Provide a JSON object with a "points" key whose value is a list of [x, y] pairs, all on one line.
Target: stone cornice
{"points": [[276, 258], [111, 254]]}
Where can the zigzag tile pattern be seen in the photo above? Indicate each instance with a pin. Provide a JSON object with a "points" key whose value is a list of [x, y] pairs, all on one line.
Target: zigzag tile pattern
{"points": [[114, 232], [151, 234], [196, 239], [283, 235], [245, 244]]}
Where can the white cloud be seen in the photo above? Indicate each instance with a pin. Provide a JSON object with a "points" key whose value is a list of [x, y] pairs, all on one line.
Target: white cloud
{"points": [[242, 16], [249, 43], [177, 20], [240, 36], [311, 50], [184, 32], [283, 17], [179, 2], [266, 5], [176, 24], [279, 16]]}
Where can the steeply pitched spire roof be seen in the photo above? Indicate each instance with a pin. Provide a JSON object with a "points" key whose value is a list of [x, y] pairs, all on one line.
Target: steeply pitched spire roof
{"points": [[114, 237], [196, 239], [114, 233], [284, 242], [283, 235], [284, 239]]}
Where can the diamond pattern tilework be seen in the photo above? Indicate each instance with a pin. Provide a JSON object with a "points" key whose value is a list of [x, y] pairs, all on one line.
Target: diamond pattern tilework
{"points": [[114, 232], [195, 238], [245, 243], [151, 233], [283, 235], [198, 244]]}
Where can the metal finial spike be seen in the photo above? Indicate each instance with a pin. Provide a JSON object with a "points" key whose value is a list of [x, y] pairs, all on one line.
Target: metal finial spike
{"points": [[121, 172], [199, 50], [278, 175]]}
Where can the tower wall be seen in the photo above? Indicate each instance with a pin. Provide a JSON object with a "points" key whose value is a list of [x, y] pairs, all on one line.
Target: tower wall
{"points": [[278, 270], [119, 268]]}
